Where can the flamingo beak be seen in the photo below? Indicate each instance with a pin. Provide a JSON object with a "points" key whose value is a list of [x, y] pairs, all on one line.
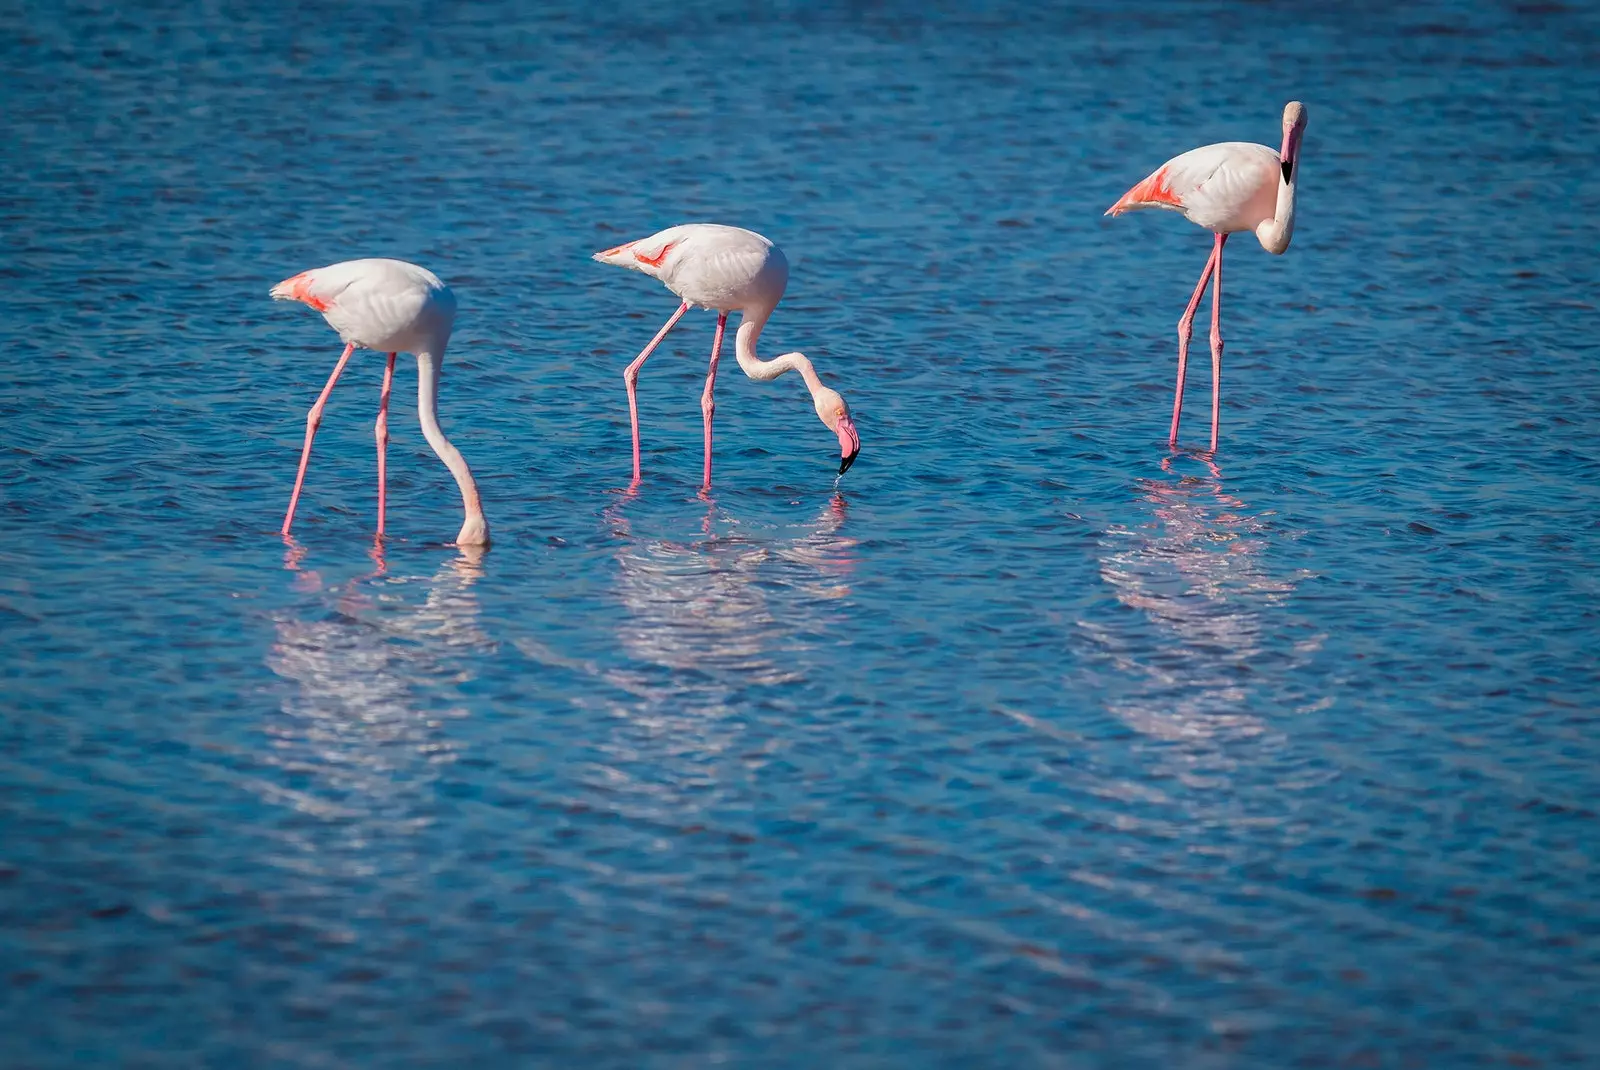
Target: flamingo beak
{"points": [[849, 443], [1290, 153]]}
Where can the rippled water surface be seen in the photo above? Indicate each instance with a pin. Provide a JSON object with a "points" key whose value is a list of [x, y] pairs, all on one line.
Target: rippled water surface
{"points": [[1027, 743]]}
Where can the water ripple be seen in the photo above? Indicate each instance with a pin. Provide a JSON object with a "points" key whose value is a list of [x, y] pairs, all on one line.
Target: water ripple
{"points": [[1027, 743]]}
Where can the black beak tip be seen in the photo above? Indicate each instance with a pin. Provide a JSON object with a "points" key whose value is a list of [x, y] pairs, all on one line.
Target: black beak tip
{"points": [[844, 465]]}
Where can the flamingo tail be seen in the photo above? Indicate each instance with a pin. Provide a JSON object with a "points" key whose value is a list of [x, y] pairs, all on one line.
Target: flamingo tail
{"points": [[621, 256], [1154, 192], [300, 288]]}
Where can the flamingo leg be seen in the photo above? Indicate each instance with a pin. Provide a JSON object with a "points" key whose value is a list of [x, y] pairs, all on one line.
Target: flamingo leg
{"points": [[380, 431], [708, 402], [313, 421], [1216, 343], [1185, 333], [630, 376]]}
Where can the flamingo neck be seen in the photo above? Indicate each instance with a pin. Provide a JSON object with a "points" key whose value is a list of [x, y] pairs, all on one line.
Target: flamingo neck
{"points": [[744, 349], [1275, 233], [475, 529]]}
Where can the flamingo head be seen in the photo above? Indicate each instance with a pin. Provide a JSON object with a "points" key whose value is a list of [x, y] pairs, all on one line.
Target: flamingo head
{"points": [[835, 416], [1294, 127]]}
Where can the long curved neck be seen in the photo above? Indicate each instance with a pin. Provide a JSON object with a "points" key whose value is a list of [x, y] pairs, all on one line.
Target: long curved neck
{"points": [[744, 349], [428, 415], [1274, 233]]}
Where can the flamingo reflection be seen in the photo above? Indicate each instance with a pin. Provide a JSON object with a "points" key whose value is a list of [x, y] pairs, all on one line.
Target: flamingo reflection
{"points": [[704, 605], [358, 730], [1195, 571]]}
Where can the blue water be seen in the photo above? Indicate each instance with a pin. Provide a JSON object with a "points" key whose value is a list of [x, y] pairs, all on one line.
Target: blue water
{"points": [[1030, 743]]}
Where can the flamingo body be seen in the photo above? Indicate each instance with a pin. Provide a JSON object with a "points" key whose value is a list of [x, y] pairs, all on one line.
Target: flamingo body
{"points": [[1226, 188], [722, 268], [726, 269], [395, 307], [387, 305]]}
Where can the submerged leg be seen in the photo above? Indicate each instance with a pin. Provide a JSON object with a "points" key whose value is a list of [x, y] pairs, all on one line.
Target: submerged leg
{"points": [[313, 421], [380, 431], [630, 375], [708, 403], [1185, 333], [1216, 343]]}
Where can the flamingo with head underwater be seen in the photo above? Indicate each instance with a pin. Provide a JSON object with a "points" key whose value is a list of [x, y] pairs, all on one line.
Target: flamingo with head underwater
{"points": [[393, 307], [726, 269], [1225, 188]]}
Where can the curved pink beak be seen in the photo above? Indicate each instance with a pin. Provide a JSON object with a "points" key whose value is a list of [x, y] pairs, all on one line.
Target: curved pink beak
{"points": [[849, 443]]}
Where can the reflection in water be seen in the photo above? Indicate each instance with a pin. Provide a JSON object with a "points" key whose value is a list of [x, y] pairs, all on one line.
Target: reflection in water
{"points": [[703, 605], [711, 622], [358, 733], [1195, 571]]}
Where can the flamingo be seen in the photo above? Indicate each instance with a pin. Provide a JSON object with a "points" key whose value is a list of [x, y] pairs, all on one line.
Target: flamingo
{"points": [[1225, 188], [393, 307], [726, 269]]}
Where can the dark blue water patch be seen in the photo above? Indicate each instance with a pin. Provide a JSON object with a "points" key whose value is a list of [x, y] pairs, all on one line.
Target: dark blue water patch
{"points": [[1028, 742]]}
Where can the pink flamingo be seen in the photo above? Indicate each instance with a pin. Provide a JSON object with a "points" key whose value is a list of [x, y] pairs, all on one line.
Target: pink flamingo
{"points": [[1225, 188], [726, 269], [393, 307]]}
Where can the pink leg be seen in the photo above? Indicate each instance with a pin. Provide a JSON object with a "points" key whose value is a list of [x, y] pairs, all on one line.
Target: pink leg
{"points": [[1216, 344], [1185, 333], [313, 421], [380, 431], [630, 375], [708, 404]]}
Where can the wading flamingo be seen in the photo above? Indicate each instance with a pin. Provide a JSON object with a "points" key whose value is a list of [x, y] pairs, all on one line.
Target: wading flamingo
{"points": [[726, 269], [393, 307], [1225, 188]]}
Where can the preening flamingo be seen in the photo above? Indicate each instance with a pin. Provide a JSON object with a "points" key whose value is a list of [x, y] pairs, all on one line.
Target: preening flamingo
{"points": [[726, 269], [1225, 188], [393, 307]]}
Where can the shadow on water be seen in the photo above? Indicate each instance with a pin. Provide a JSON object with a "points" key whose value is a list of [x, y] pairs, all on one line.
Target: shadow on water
{"points": [[1198, 604]]}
